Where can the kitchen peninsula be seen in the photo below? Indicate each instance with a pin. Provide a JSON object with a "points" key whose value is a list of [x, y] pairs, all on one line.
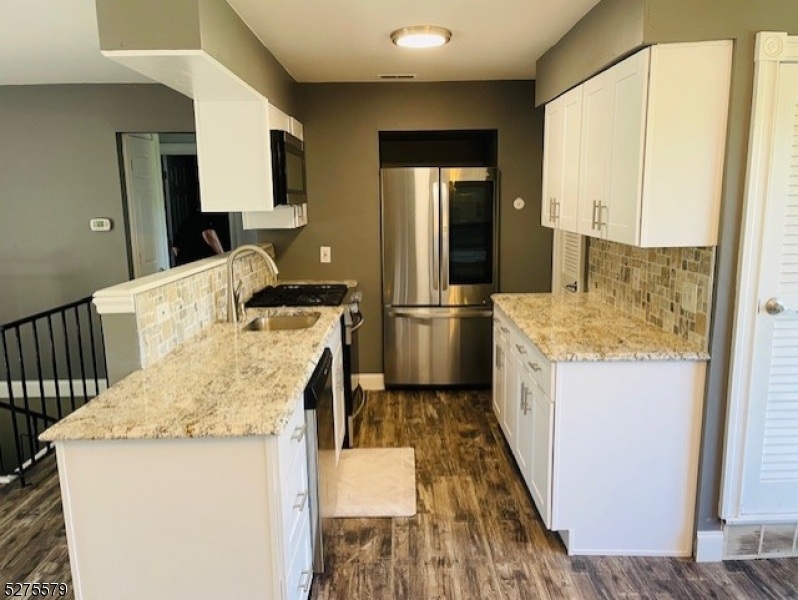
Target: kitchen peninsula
{"points": [[189, 477]]}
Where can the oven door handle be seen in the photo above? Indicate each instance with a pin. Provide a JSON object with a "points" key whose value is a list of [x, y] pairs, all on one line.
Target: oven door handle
{"points": [[479, 313]]}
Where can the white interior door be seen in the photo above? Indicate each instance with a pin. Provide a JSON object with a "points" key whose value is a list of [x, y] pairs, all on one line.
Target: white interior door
{"points": [[771, 460], [760, 478], [145, 203]]}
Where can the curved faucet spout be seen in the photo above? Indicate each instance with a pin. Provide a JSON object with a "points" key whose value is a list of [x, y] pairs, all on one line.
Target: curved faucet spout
{"points": [[232, 301]]}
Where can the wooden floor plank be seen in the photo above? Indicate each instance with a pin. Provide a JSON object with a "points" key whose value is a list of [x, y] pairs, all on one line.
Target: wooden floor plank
{"points": [[477, 534]]}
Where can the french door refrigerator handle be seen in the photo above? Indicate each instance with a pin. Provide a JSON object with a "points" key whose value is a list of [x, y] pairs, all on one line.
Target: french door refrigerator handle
{"points": [[436, 227], [444, 236], [414, 313]]}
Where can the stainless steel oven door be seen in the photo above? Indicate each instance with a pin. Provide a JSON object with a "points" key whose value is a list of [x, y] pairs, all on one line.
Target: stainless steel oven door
{"points": [[438, 346]]}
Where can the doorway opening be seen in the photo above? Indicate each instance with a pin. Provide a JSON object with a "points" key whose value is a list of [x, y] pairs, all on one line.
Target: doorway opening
{"points": [[160, 191]]}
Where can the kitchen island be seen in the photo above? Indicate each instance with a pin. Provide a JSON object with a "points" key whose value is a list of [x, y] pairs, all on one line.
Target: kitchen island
{"points": [[188, 479], [602, 413]]}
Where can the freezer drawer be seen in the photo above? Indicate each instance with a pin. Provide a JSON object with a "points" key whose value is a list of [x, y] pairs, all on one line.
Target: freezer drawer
{"points": [[438, 346]]}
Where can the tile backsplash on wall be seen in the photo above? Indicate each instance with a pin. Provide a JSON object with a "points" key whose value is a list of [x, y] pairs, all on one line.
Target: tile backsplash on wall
{"points": [[667, 287], [171, 314]]}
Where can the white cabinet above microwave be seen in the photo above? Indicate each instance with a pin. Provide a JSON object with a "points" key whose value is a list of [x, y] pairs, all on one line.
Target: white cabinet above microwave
{"points": [[234, 156], [635, 154]]}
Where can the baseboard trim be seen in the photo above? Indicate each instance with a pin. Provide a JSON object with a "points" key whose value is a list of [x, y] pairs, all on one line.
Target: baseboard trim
{"points": [[34, 390], [709, 546], [371, 381]]}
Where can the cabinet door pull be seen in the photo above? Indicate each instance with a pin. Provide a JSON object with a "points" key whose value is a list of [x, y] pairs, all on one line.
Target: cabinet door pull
{"points": [[535, 367], [521, 349], [499, 358], [600, 206], [552, 216], [556, 209], [301, 500], [593, 217], [299, 433], [304, 582], [504, 329]]}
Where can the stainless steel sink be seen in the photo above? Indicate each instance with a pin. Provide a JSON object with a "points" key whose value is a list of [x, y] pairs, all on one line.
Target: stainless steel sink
{"points": [[282, 322]]}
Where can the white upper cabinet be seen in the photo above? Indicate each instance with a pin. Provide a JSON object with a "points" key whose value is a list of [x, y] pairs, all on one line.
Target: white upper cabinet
{"points": [[652, 143], [235, 162], [234, 155], [278, 119], [297, 129], [561, 160]]}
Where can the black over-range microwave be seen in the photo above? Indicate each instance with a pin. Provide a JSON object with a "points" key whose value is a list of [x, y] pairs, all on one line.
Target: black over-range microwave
{"points": [[288, 168]]}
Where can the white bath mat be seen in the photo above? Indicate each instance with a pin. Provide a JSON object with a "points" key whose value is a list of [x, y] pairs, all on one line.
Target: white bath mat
{"points": [[372, 482]]}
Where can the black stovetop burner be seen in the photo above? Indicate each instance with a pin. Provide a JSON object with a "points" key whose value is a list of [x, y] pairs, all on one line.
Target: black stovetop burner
{"points": [[311, 294]]}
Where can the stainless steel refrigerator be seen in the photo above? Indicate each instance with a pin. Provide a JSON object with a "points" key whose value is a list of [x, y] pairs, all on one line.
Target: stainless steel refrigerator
{"points": [[439, 268]]}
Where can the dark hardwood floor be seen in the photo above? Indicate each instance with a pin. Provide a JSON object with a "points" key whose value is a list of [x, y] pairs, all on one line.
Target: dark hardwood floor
{"points": [[476, 534]]}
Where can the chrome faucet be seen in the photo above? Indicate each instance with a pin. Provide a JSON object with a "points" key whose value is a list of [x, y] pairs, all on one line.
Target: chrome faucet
{"points": [[232, 299]]}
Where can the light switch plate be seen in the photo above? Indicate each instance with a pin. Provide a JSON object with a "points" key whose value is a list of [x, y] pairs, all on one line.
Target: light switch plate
{"points": [[325, 255]]}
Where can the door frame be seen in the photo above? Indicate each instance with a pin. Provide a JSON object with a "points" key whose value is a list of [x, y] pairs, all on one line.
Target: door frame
{"points": [[772, 49]]}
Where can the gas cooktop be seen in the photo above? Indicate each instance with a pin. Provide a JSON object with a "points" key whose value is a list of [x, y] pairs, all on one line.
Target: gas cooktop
{"points": [[312, 294]]}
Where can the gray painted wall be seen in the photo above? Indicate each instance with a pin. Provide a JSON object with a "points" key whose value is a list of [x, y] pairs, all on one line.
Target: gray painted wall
{"points": [[683, 21], [612, 28], [342, 122], [209, 25], [59, 168]]}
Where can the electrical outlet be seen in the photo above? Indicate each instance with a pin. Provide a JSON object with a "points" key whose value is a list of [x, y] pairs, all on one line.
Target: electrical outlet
{"points": [[325, 254]]}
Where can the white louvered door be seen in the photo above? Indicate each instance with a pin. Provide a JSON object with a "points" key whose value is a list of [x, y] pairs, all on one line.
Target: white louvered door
{"points": [[770, 469], [568, 264]]}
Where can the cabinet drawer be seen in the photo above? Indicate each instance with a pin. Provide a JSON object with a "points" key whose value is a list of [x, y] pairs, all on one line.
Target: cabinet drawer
{"points": [[293, 439], [295, 493], [533, 361], [300, 572]]}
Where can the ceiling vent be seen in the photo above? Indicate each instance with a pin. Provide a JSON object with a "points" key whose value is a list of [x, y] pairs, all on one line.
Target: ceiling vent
{"points": [[397, 76]]}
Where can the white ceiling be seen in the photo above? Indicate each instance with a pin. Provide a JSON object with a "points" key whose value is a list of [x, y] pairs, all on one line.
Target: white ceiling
{"points": [[55, 41], [349, 40]]}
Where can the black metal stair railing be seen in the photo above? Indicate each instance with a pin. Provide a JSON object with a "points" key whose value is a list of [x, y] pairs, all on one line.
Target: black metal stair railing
{"points": [[53, 362]]}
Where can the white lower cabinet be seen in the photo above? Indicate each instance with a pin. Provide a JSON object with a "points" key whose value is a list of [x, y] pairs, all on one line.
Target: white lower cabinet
{"points": [[607, 449], [200, 518], [527, 428]]}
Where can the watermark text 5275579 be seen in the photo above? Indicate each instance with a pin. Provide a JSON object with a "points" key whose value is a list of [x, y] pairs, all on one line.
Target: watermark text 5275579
{"points": [[36, 590]]}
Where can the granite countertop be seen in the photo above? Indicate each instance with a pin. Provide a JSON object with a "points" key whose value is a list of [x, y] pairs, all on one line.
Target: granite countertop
{"points": [[224, 383], [583, 327]]}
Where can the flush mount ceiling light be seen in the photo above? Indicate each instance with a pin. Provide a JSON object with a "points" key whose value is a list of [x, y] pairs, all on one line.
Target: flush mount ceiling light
{"points": [[421, 36]]}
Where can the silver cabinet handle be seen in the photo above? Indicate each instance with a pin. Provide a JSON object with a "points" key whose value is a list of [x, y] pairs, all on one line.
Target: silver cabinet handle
{"points": [[552, 218], [524, 403], [301, 500], [499, 358], [299, 433], [304, 582], [504, 329], [535, 367], [599, 223], [521, 349], [556, 209], [593, 217]]}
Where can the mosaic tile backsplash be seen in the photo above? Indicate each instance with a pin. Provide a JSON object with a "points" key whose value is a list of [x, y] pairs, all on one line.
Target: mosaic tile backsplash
{"points": [[192, 304], [667, 287]]}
